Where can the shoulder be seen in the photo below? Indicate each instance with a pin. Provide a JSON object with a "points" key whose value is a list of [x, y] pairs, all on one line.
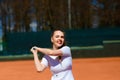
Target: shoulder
{"points": [[65, 47], [66, 50]]}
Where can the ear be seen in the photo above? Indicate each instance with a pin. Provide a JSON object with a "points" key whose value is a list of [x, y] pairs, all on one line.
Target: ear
{"points": [[51, 40]]}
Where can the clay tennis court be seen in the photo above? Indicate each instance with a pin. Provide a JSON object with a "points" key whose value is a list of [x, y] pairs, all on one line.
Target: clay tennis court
{"points": [[83, 69]]}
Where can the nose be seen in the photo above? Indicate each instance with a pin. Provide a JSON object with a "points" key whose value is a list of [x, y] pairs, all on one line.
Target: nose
{"points": [[60, 38]]}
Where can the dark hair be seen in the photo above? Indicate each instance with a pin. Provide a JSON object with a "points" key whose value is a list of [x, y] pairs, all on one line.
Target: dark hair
{"points": [[52, 33]]}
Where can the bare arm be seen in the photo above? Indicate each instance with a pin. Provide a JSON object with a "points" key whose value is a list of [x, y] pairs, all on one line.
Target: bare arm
{"points": [[49, 51], [40, 67]]}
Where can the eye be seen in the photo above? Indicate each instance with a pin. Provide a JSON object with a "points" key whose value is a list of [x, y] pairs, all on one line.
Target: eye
{"points": [[57, 36], [62, 36]]}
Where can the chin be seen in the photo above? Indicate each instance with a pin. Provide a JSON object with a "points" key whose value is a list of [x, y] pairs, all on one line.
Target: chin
{"points": [[60, 46]]}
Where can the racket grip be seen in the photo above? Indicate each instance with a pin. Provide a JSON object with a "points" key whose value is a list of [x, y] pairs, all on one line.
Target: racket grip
{"points": [[34, 49]]}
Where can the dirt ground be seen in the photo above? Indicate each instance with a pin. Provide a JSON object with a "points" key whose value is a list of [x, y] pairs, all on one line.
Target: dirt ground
{"points": [[83, 69]]}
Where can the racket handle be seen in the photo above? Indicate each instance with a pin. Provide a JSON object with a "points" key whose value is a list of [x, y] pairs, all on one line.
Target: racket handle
{"points": [[34, 49]]}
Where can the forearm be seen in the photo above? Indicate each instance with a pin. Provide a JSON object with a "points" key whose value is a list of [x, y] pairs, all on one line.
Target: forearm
{"points": [[45, 51], [40, 67], [49, 51]]}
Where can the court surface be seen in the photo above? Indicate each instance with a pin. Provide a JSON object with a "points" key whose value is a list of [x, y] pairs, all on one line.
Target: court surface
{"points": [[83, 69]]}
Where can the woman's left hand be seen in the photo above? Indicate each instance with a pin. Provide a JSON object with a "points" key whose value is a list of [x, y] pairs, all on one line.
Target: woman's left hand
{"points": [[34, 49]]}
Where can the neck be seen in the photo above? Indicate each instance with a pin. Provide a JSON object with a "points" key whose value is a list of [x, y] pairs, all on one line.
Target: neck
{"points": [[54, 48]]}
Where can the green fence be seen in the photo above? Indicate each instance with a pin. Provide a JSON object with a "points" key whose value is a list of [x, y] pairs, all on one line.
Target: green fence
{"points": [[20, 43]]}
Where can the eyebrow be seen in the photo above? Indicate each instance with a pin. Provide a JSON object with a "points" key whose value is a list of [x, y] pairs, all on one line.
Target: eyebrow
{"points": [[59, 35]]}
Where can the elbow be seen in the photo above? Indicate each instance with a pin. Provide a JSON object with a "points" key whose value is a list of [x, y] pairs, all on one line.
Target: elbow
{"points": [[39, 70]]}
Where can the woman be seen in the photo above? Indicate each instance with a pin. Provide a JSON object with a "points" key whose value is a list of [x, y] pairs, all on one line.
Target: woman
{"points": [[59, 58]]}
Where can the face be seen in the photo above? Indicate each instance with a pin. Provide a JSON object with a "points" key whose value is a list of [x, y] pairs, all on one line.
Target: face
{"points": [[57, 39]]}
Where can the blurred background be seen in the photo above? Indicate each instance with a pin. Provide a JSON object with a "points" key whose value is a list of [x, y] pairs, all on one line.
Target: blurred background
{"points": [[92, 26]]}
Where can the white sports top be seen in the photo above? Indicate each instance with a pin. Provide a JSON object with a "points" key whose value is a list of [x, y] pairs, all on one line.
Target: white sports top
{"points": [[61, 70]]}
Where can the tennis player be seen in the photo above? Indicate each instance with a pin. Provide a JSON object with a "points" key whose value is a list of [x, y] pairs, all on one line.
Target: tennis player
{"points": [[59, 58]]}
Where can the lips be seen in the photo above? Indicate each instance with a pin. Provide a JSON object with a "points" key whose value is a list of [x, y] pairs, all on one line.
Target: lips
{"points": [[59, 42]]}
